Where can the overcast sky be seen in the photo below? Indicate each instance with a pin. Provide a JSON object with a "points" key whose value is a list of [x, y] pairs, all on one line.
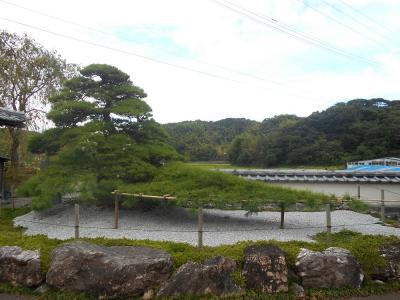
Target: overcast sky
{"points": [[231, 62]]}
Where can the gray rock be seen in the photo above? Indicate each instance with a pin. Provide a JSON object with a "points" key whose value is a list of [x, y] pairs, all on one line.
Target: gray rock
{"points": [[298, 291], [20, 267], [150, 294], [42, 289], [212, 277], [391, 270], [332, 268], [108, 272], [265, 269]]}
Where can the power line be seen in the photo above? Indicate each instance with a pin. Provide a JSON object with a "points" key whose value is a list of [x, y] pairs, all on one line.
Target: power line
{"points": [[120, 50], [110, 34], [367, 17], [296, 34], [338, 22], [55, 17], [355, 20], [137, 55]]}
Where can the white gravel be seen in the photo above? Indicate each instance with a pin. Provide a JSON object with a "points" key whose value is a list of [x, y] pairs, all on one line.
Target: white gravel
{"points": [[180, 225]]}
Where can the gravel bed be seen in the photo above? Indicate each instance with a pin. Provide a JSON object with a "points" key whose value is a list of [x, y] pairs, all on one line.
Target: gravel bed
{"points": [[180, 225]]}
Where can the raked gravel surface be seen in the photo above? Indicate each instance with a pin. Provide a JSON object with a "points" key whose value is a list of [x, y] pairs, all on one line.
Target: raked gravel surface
{"points": [[180, 225]]}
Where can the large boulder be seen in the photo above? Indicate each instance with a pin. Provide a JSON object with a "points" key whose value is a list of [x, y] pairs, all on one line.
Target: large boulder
{"points": [[212, 277], [20, 267], [109, 272], [265, 269], [332, 268], [391, 270]]}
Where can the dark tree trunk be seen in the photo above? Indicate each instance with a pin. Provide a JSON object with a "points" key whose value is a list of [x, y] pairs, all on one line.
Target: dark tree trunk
{"points": [[15, 134]]}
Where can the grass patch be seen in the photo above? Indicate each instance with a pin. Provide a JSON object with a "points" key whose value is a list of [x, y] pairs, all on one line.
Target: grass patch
{"points": [[364, 247], [195, 187], [211, 165]]}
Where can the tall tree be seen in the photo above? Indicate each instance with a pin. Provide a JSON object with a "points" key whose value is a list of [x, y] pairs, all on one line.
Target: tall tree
{"points": [[28, 74], [105, 137]]}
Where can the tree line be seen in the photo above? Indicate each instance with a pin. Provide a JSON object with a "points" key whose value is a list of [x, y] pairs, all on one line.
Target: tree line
{"points": [[358, 129], [206, 140]]}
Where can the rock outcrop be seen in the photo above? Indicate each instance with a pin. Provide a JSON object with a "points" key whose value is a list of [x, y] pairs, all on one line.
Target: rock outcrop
{"points": [[212, 277], [265, 269], [108, 272], [20, 267], [332, 268]]}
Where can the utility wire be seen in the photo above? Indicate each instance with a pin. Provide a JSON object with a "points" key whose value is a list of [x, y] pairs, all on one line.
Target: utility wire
{"points": [[112, 35], [341, 11], [141, 56], [367, 17], [120, 50], [296, 34], [371, 187], [304, 2], [55, 17]]}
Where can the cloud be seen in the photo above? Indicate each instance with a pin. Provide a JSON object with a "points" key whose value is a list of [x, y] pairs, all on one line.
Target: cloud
{"points": [[287, 75]]}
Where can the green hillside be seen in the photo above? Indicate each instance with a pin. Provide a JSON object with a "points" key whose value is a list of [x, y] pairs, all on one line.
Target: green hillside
{"points": [[358, 129], [206, 141]]}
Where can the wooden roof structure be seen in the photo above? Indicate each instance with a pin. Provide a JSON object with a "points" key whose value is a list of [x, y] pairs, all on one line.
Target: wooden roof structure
{"points": [[11, 118], [320, 176]]}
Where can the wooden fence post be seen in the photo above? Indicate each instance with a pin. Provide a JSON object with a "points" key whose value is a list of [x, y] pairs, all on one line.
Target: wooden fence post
{"points": [[328, 223], [77, 221], [383, 205], [116, 210], [282, 215], [358, 191], [200, 227], [12, 196]]}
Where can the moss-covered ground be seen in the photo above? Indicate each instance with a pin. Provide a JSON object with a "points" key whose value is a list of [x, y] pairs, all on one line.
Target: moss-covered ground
{"points": [[364, 247]]}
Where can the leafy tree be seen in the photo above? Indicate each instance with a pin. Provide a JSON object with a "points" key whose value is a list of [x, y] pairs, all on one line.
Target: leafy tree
{"points": [[28, 74], [105, 136], [206, 141], [358, 129]]}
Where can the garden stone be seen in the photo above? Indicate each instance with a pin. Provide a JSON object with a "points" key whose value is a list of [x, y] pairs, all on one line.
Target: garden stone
{"points": [[212, 277], [265, 269], [107, 272], [391, 270], [332, 268], [298, 291], [20, 267]]}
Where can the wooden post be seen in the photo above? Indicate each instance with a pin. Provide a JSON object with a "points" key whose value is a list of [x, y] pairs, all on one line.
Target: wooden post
{"points": [[12, 196], [328, 223], [282, 215], [383, 205], [116, 210], [2, 179], [200, 223], [77, 221], [358, 192]]}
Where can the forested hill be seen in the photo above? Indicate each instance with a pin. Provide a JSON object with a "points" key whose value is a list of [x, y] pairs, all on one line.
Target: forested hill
{"points": [[206, 141], [358, 129]]}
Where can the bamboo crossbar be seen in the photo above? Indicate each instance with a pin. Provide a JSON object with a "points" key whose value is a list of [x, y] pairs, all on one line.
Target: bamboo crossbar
{"points": [[145, 196]]}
